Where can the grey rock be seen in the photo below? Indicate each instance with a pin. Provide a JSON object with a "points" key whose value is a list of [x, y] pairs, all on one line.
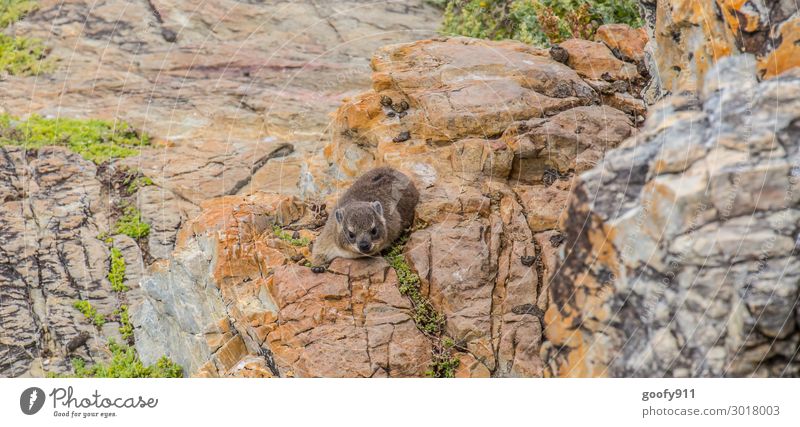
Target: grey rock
{"points": [[683, 257]]}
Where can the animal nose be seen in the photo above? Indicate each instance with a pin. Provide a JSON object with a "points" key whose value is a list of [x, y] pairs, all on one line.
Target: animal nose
{"points": [[364, 246]]}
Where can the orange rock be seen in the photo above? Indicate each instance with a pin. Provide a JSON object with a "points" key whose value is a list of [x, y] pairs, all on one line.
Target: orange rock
{"points": [[593, 60], [629, 42]]}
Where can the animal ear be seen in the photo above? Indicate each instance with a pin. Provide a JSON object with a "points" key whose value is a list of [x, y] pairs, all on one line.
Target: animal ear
{"points": [[378, 207], [339, 215]]}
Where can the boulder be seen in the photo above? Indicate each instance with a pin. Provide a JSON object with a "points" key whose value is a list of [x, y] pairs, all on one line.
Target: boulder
{"points": [[680, 251]]}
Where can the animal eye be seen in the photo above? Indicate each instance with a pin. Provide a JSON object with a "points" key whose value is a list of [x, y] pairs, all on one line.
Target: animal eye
{"points": [[351, 235], [374, 231]]}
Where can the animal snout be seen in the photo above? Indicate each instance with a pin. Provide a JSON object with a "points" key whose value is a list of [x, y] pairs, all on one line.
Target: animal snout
{"points": [[364, 246]]}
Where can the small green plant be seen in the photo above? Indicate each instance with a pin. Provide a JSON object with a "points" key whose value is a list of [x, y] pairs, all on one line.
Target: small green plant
{"points": [[95, 140], [124, 363], [20, 55], [425, 316], [444, 364], [283, 235], [134, 183], [105, 238], [116, 273], [131, 224], [539, 22], [12, 11], [126, 327], [85, 307]]}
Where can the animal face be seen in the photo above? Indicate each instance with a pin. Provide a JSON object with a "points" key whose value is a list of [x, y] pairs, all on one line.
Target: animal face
{"points": [[362, 227]]}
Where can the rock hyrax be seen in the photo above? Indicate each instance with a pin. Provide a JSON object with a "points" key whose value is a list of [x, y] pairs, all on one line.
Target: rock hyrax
{"points": [[370, 215]]}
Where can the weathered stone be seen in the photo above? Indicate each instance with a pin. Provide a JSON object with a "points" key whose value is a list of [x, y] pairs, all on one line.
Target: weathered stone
{"points": [[53, 206], [685, 264], [687, 37], [629, 42]]}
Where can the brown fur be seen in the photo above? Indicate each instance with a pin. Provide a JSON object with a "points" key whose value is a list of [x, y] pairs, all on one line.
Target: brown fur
{"points": [[368, 218]]}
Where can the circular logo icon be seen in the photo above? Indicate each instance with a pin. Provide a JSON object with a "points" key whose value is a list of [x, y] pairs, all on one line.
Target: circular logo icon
{"points": [[31, 400]]}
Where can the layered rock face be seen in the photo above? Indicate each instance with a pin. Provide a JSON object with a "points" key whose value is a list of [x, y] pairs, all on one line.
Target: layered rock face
{"points": [[680, 251], [688, 37], [491, 133], [53, 205], [235, 96]]}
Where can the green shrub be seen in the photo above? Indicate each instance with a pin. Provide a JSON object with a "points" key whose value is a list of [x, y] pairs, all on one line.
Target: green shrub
{"points": [[116, 273], [126, 327], [95, 140], [125, 363], [539, 22], [444, 364], [85, 307], [425, 316], [131, 224]]}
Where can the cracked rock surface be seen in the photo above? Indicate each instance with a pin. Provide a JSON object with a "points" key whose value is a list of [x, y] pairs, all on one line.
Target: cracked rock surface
{"points": [[681, 248], [688, 37], [53, 205], [490, 138]]}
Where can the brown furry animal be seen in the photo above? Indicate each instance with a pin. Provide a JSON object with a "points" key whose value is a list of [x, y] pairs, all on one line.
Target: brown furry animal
{"points": [[368, 218]]}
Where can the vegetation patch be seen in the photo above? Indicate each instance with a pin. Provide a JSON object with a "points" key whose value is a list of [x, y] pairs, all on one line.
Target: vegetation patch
{"points": [[19, 55], [95, 140], [131, 224], [288, 237], [85, 307], [126, 327], [136, 181], [116, 273], [444, 363], [538, 22], [427, 319], [124, 363]]}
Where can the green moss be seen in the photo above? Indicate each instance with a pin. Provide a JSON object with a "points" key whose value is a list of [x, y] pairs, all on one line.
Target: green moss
{"points": [[124, 363], [126, 327], [95, 140], [427, 319], [283, 235], [85, 307], [116, 273], [539, 22], [131, 224]]}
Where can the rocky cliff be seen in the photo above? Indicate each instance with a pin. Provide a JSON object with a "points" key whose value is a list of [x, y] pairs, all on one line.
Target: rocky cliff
{"points": [[235, 95], [565, 228], [680, 250], [492, 134]]}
